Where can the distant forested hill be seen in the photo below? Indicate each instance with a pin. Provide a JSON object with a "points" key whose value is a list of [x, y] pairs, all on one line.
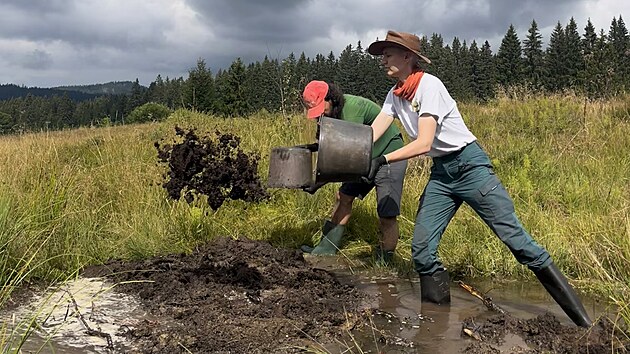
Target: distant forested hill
{"points": [[110, 88], [76, 93], [9, 91]]}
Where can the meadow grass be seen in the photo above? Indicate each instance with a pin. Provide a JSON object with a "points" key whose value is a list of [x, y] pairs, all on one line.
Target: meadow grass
{"points": [[78, 197]]}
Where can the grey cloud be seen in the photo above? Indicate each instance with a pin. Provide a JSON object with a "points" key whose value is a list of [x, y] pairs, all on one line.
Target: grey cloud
{"points": [[62, 20], [279, 20], [38, 60], [40, 6]]}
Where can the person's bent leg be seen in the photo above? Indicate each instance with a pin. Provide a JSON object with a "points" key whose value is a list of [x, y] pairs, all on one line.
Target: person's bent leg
{"points": [[343, 209], [389, 240], [437, 207], [488, 197], [389, 185], [332, 231]]}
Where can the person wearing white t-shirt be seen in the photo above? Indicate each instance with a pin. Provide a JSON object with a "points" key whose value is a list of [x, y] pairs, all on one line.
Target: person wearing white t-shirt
{"points": [[461, 173]]}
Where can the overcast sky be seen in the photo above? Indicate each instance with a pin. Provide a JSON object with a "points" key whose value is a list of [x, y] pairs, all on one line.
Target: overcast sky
{"points": [[48, 43]]}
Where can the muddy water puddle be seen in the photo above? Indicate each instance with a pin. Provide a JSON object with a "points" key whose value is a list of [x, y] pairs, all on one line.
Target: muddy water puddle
{"points": [[81, 316], [88, 316], [403, 324]]}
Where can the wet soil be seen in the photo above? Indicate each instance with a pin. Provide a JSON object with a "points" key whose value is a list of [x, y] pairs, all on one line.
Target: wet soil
{"points": [[245, 296], [235, 296], [210, 167], [543, 334]]}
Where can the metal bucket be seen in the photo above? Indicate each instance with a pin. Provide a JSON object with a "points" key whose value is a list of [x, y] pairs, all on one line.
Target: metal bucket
{"points": [[290, 167], [345, 150]]}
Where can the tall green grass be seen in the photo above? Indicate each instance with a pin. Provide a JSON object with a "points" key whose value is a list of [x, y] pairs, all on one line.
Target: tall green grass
{"points": [[84, 196]]}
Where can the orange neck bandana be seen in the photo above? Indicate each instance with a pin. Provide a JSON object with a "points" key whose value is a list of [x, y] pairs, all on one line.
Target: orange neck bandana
{"points": [[408, 88]]}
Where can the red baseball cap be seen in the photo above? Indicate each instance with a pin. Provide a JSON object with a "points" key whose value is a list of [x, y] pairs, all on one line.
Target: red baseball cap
{"points": [[314, 96]]}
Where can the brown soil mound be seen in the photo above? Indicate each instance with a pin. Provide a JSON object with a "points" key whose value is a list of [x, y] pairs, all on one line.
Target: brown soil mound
{"points": [[234, 296], [545, 334], [213, 167]]}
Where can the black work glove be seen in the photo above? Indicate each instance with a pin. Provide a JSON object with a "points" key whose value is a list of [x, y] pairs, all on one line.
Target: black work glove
{"points": [[310, 147], [375, 164], [312, 188]]}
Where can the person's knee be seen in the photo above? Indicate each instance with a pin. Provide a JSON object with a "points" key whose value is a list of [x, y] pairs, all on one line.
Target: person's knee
{"points": [[344, 200]]}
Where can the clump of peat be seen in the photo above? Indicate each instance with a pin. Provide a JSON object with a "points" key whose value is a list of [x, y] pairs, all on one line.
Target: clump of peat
{"points": [[214, 167]]}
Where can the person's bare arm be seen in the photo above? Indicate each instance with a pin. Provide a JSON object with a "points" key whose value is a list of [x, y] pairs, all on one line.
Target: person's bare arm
{"points": [[380, 125], [427, 124]]}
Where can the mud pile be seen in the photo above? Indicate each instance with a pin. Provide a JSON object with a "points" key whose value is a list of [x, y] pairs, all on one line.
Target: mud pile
{"points": [[234, 296], [544, 334], [216, 168]]}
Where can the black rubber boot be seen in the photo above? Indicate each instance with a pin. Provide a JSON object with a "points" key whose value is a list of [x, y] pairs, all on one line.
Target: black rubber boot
{"points": [[435, 288], [560, 290]]}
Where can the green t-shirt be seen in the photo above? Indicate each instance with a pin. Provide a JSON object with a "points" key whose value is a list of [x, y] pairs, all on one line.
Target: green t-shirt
{"points": [[361, 110]]}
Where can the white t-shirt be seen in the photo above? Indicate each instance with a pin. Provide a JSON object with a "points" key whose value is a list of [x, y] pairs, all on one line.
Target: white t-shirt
{"points": [[431, 97]]}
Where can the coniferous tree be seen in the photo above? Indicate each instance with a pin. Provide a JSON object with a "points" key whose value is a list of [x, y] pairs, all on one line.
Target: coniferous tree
{"points": [[574, 60], [554, 60], [291, 96], [235, 101], [331, 67], [63, 112], [174, 95], [360, 77], [589, 40], [254, 85], [137, 97], [6, 123], [509, 60], [157, 92], [219, 105], [533, 53], [466, 66], [376, 82], [592, 74], [199, 90], [486, 73], [436, 53], [301, 78], [474, 56], [459, 67], [273, 92], [348, 76], [619, 51], [447, 63], [318, 68]]}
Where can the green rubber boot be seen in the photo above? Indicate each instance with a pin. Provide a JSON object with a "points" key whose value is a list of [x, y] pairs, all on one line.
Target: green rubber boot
{"points": [[330, 242]]}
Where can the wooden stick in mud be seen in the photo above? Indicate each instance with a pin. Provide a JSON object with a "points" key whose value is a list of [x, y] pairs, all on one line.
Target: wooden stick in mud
{"points": [[486, 300], [89, 331]]}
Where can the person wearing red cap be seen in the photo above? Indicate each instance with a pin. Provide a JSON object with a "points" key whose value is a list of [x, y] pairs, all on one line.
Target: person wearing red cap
{"points": [[326, 99], [461, 172]]}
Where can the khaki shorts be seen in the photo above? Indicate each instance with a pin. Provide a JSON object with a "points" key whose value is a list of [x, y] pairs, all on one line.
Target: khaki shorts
{"points": [[389, 184]]}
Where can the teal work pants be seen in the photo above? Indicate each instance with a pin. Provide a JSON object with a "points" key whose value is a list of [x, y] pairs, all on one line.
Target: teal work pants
{"points": [[467, 176]]}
